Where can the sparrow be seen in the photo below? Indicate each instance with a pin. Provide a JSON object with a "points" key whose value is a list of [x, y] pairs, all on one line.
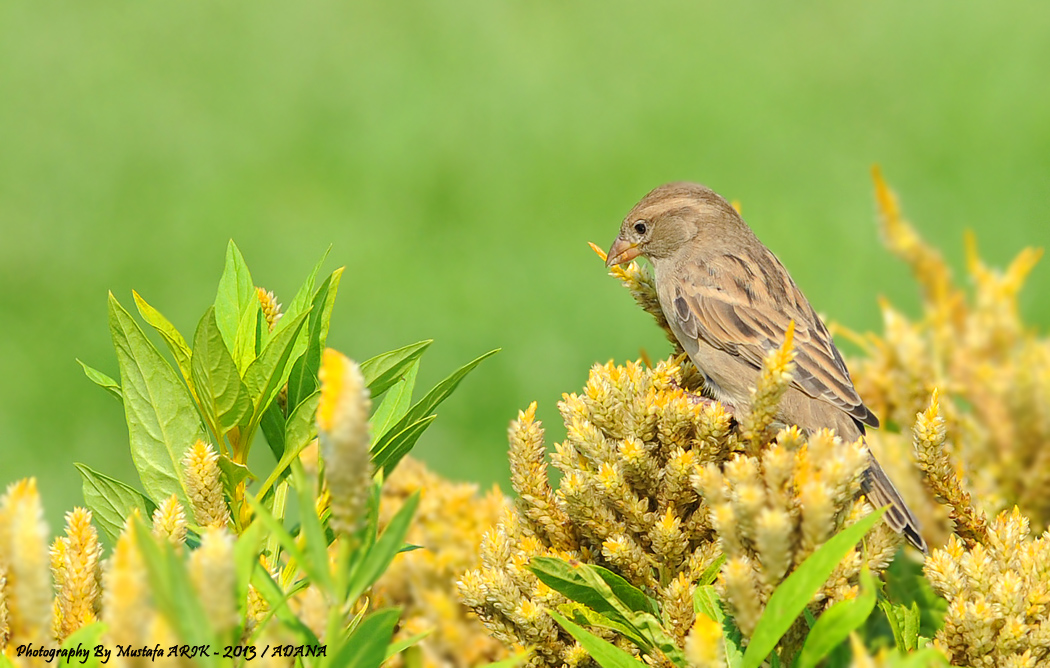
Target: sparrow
{"points": [[729, 302]]}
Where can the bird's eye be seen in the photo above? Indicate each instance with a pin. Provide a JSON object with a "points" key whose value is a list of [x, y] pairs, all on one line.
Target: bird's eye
{"points": [[640, 227]]}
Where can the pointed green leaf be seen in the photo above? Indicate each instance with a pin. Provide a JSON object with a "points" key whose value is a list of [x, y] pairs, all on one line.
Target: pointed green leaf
{"points": [[111, 501], [276, 530], [162, 417], [366, 646], [395, 403], [300, 430], [311, 533], [233, 474], [401, 645], [236, 291], [304, 297], [399, 444], [180, 350], [837, 622], [604, 652], [244, 341], [383, 552], [795, 592], [272, 424], [86, 638], [303, 378], [705, 601], [103, 381], [510, 662], [421, 409], [269, 372], [245, 559], [278, 604], [221, 393], [382, 371]]}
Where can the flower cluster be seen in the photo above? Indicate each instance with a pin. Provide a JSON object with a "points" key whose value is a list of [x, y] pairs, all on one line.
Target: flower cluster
{"points": [[449, 523], [656, 483], [992, 370]]}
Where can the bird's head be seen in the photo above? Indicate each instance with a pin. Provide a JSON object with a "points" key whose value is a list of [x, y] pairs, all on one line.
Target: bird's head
{"points": [[668, 218]]}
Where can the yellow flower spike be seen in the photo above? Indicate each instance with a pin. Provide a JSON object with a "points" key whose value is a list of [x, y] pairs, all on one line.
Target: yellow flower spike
{"points": [[25, 555], [742, 593], [343, 433], [76, 565], [270, 308], [169, 521], [211, 570], [703, 646], [127, 604], [204, 485]]}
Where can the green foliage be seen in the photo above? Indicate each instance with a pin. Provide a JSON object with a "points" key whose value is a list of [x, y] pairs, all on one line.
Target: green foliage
{"points": [[238, 375]]}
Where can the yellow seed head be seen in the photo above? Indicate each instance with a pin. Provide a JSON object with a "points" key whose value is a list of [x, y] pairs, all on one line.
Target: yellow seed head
{"points": [[204, 485], [25, 556], [169, 521]]}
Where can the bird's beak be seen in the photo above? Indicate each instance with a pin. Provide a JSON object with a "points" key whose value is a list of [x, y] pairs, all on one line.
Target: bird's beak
{"points": [[622, 251]]}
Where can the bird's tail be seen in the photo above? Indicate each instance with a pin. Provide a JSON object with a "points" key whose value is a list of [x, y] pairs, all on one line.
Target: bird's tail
{"points": [[881, 492]]}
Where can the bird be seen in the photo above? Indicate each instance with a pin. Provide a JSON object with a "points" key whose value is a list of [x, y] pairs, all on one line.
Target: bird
{"points": [[729, 301]]}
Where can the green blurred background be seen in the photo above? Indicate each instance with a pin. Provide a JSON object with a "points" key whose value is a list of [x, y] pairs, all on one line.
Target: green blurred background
{"points": [[459, 155]]}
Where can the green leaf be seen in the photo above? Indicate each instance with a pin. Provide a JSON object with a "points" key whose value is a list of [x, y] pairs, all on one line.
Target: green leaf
{"points": [[304, 296], [310, 530], [420, 410], [236, 292], [173, 592], [86, 638], [244, 341], [245, 559], [222, 395], [399, 444], [300, 430], [277, 601], [795, 592], [272, 424], [233, 474], [382, 371], [710, 573], [366, 646], [111, 501], [573, 582], [379, 556], [401, 645], [396, 402], [705, 602], [180, 350], [604, 652], [103, 381], [161, 415], [276, 530], [269, 372], [834, 626], [510, 662], [302, 380]]}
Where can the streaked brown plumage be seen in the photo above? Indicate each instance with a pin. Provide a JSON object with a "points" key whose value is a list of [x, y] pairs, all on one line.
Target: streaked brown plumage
{"points": [[729, 301]]}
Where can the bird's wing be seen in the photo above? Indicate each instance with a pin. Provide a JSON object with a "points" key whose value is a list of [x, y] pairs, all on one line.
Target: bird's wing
{"points": [[744, 306]]}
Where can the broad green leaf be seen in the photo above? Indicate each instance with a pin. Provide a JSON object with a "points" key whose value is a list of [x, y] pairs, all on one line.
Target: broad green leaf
{"points": [[401, 645], [303, 378], [383, 552], [111, 501], [705, 602], [86, 638], [245, 341], [180, 350], [366, 646], [103, 381], [395, 403], [423, 408], [300, 430], [604, 652], [837, 622], [236, 292], [895, 617], [400, 443], [382, 371], [584, 616], [272, 424], [910, 632], [710, 573], [222, 395], [572, 581], [795, 592], [269, 372], [304, 296], [162, 417]]}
